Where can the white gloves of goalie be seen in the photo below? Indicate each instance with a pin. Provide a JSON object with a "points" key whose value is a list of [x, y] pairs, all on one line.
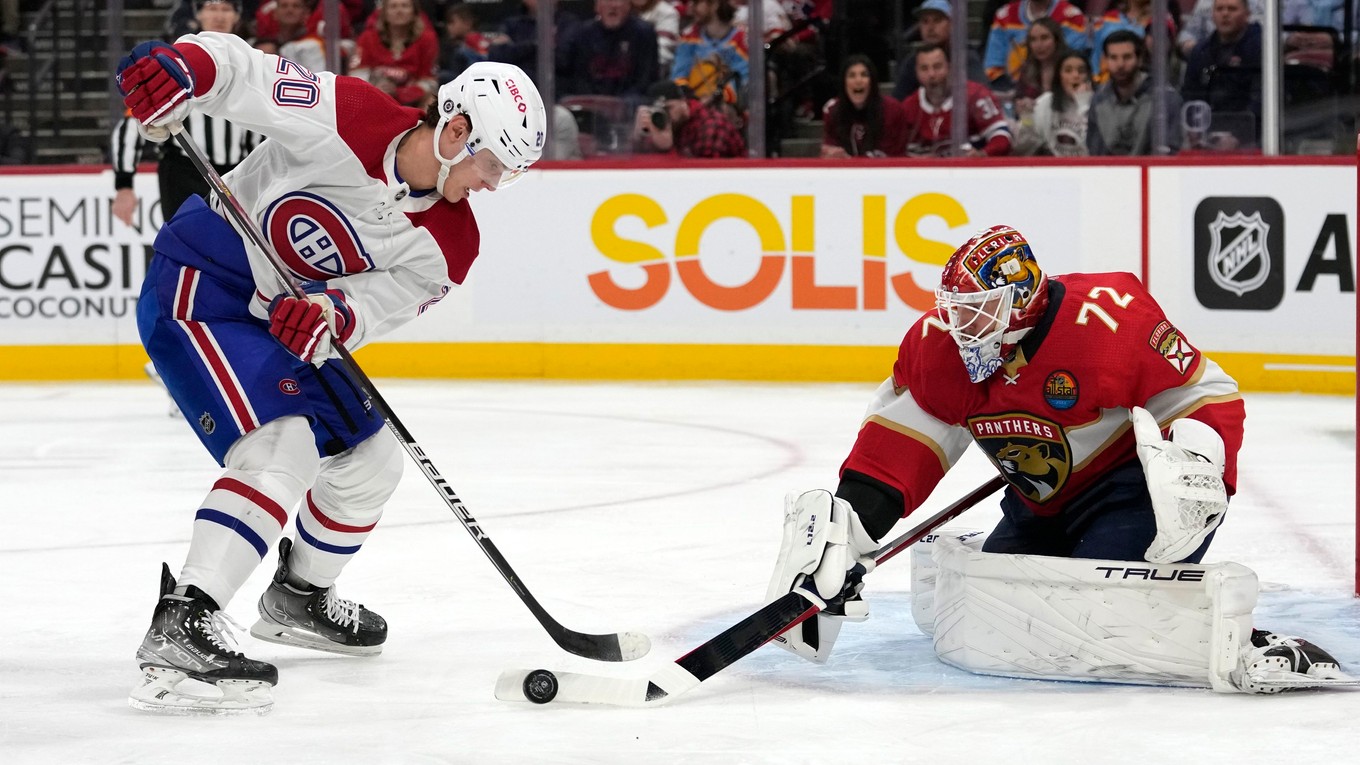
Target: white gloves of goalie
{"points": [[1185, 479], [824, 554]]}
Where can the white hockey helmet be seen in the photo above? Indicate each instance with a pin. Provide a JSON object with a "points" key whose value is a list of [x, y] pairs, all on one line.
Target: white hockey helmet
{"points": [[505, 115]]}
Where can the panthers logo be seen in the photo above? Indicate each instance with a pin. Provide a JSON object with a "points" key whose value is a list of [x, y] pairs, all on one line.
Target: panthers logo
{"points": [[1031, 453], [1013, 267], [1032, 469]]}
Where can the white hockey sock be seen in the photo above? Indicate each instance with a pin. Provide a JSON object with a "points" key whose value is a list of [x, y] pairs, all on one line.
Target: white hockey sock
{"points": [[236, 525], [326, 541]]}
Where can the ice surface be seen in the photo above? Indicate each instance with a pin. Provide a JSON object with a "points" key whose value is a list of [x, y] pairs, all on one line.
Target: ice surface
{"points": [[651, 507]]}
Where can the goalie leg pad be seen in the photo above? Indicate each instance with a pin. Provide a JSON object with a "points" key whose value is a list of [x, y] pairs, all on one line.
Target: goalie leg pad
{"points": [[1034, 616]]}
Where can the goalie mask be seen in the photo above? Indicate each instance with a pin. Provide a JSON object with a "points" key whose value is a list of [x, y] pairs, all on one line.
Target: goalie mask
{"points": [[506, 122], [991, 295]]}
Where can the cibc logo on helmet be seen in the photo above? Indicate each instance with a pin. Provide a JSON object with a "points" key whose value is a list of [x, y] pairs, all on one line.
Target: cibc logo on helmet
{"points": [[514, 93]]}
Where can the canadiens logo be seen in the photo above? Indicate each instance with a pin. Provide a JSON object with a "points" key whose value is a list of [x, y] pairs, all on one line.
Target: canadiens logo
{"points": [[1239, 261], [1032, 453], [1169, 343], [289, 386], [1060, 390], [314, 238]]}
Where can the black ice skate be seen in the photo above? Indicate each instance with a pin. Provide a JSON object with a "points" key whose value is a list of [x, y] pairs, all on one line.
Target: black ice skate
{"points": [[188, 641], [1274, 663], [297, 614]]}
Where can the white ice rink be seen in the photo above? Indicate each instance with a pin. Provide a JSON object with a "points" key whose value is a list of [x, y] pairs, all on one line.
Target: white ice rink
{"points": [[651, 507]]}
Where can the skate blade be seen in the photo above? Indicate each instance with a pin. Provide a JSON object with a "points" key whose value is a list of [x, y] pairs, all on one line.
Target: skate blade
{"points": [[278, 633], [159, 694]]}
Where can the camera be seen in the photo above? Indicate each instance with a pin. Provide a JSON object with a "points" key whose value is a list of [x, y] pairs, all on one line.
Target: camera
{"points": [[661, 119]]}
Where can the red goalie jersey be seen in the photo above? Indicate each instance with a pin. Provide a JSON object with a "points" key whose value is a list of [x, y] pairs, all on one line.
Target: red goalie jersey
{"points": [[1056, 418]]}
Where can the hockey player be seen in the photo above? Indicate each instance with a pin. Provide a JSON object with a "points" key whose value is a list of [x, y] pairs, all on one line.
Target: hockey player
{"points": [[366, 203], [1053, 370]]}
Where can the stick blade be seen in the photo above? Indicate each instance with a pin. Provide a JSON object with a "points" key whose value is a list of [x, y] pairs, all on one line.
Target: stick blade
{"points": [[615, 646]]}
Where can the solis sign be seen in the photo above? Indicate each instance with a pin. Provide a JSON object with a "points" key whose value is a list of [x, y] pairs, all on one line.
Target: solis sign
{"points": [[787, 252]]}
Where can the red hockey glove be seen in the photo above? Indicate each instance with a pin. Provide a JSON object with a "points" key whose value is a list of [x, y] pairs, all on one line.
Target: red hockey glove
{"points": [[305, 327], [156, 83]]}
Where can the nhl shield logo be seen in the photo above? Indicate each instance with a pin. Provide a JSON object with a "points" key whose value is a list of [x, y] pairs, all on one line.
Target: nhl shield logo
{"points": [[206, 422], [1239, 260]]}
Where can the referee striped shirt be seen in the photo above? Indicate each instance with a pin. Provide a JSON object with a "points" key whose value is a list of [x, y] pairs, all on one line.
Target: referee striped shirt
{"points": [[223, 143]]}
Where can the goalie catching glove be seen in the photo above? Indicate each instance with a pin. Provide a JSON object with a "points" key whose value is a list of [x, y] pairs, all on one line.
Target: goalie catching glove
{"points": [[824, 554], [1185, 479]]}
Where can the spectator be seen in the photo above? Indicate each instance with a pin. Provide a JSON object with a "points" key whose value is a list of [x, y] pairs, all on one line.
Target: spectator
{"points": [[1057, 125], [398, 52], [183, 18], [296, 30], [1120, 120], [1198, 24], [1044, 47], [712, 54], [1134, 15], [517, 42], [665, 19], [612, 55], [462, 45], [861, 121], [686, 126], [776, 18], [929, 112], [1005, 42], [932, 20], [1225, 70], [1316, 48]]}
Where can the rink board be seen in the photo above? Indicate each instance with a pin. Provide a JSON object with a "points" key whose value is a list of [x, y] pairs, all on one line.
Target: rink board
{"points": [[757, 272]]}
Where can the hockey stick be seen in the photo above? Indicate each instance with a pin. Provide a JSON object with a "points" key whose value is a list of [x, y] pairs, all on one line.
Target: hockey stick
{"points": [[617, 646], [687, 672]]}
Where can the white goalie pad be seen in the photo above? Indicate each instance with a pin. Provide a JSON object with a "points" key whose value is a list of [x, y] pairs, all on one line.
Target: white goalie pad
{"points": [[924, 571], [1033, 616]]}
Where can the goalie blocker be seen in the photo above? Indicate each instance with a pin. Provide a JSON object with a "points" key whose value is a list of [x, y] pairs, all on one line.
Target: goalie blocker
{"points": [[1031, 616]]}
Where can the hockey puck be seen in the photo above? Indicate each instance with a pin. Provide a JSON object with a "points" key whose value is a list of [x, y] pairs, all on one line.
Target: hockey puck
{"points": [[540, 686]]}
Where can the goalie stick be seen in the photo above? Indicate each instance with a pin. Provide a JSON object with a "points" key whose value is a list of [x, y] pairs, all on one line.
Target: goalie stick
{"points": [[775, 618], [616, 646]]}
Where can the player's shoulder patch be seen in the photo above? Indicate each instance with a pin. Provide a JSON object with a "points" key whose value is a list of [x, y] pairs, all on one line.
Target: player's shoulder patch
{"points": [[1167, 341]]}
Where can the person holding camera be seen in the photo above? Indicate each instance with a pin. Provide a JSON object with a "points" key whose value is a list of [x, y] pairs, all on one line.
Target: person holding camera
{"points": [[676, 123]]}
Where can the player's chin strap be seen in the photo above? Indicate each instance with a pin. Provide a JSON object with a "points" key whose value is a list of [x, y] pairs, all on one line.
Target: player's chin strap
{"points": [[445, 164]]}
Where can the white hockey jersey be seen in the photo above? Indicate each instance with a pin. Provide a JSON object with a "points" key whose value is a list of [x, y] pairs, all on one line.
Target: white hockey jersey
{"points": [[325, 189]]}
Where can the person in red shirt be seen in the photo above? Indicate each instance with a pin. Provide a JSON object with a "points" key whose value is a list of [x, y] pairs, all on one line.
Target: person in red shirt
{"points": [[930, 108], [296, 30], [399, 52], [861, 121]]}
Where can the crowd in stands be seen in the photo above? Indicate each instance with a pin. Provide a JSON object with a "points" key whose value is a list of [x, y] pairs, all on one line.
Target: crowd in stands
{"points": [[1051, 77]]}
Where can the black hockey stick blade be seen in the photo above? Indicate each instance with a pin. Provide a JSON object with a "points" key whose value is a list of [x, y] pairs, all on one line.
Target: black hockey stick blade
{"points": [[615, 646], [732, 644]]}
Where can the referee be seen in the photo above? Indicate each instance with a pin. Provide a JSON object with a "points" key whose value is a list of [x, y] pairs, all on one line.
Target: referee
{"points": [[223, 143]]}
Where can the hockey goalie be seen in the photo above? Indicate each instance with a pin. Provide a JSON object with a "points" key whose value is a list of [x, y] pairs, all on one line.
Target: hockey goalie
{"points": [[1118, 443]]}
